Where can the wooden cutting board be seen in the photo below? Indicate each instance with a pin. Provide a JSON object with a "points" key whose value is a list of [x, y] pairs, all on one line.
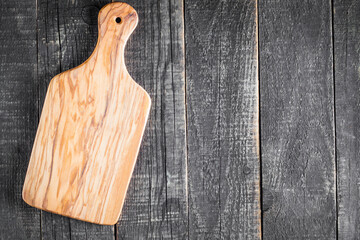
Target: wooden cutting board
{"points": [[90, 130]]}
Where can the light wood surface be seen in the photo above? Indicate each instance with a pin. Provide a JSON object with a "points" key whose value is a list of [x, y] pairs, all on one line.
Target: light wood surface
{"points": [[90, 130]]}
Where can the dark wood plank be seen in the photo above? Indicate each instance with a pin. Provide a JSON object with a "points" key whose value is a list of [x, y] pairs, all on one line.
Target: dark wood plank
{"points": [[297, 120], [156, 202], [347, 105], [18, 116], [222, 110], [67, 34]]}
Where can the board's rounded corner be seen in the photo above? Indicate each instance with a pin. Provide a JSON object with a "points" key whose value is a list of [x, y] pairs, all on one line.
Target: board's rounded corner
{"points": [[142, 89], [25, 198], [54, 79], [147, 96], [105, 221], [110, 223]]}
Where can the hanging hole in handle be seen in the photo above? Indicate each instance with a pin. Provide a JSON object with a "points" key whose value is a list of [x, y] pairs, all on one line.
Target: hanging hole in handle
{"points": [[118, 20]]}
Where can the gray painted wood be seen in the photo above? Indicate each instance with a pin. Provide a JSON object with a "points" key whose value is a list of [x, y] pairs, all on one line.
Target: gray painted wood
{"points": [[156, 202], [297, 120], [347, 100], [222, 113], [18, 116], [67, 34]]}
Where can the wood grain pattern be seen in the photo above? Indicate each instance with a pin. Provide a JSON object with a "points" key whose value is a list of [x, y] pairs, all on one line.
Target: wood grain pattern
{"points": [[90, 130], [297, 120], [67, 35], [347, 105], [222, 111], [156, 203], [18, 116]]}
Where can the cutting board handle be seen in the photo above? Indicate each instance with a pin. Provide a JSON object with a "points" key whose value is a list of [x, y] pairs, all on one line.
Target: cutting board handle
{"points": [[116, 22], [117, 18]]}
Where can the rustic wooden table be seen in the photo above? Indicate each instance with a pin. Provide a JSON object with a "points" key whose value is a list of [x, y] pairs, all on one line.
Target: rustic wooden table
{"points": [[254, 128]]}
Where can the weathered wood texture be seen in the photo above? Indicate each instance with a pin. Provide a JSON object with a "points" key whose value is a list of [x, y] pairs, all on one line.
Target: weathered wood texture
{"points": [[297, 123], [297, 120], [156, 203], [67, 34], [18, 116], [347, 106], [222, 113]]}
